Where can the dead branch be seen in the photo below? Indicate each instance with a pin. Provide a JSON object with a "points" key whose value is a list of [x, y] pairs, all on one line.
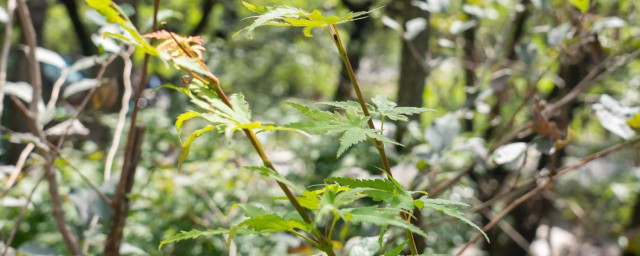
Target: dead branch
{"points": [[547, 182]]}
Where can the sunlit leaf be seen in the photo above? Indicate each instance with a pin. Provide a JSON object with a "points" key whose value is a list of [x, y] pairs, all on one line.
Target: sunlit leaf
{"points": [[115, 15], [185, 117], [187, 144], [192, 234], [283, 15], [582, 5], [380, 217]]}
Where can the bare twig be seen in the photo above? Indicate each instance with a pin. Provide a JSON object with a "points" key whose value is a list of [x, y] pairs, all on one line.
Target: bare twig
{"points": [[122, 115], [131, 155], [30, 38], [6, 46], [85, 100], [545, 183], [594, 76], [55, 92], [36, 82], [16, 170], [23, 211], [95, 188], [120, 201]]}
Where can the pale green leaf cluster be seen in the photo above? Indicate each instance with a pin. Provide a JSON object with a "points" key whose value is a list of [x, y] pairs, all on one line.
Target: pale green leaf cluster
{"points": [[352, 126], [382, 108], [115, 15], [287, 16], [221, 117]]}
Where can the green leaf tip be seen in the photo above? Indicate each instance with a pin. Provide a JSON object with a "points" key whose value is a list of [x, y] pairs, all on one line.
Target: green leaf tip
{"points": [[115, 15], [287, 16], [192, 234]]}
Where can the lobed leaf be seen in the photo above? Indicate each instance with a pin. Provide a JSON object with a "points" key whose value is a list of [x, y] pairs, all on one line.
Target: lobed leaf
{"points": [[187, 144], [185, 117], [192, 234], [379, 217], [267, 223], [115, 15], [444, 206], [389, 109], [290, 16], [381, 184], [351, 125]]}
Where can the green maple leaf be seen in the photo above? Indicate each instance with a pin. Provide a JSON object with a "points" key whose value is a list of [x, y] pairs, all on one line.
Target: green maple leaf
{"points": [[352, 126]]}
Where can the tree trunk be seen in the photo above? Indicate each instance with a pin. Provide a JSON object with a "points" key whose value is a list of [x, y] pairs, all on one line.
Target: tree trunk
{"points": [[413, 68], [355, 47]]}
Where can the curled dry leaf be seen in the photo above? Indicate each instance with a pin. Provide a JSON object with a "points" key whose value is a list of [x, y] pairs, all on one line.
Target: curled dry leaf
{"points": [[543, 126]]}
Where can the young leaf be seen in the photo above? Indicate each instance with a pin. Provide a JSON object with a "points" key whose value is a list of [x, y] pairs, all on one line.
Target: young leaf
{"points": [[448, 207], [381, 184], [192, 234], [351, 126], [290, 16], [267, 223], [309, 200], [389, 109], [379, 217], [187, 144], [396, 250], [377, 189], [114, 14], [253, 8], [189, 64], [184, 117], [251, 211], [350, 138], [270, 16]]}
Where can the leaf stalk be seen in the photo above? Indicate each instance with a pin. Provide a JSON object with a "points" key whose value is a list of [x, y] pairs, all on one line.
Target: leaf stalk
{"points": [[335, 36]]}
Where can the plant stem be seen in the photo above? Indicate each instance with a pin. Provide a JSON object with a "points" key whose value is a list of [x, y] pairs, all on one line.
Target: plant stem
{"points": [[333, 33], [325, 245]]}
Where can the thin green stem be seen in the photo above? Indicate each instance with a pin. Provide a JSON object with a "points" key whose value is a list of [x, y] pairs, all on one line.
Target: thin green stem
{"points": [[323, 244], [306, 238], [335, 36], [333, 225]]}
